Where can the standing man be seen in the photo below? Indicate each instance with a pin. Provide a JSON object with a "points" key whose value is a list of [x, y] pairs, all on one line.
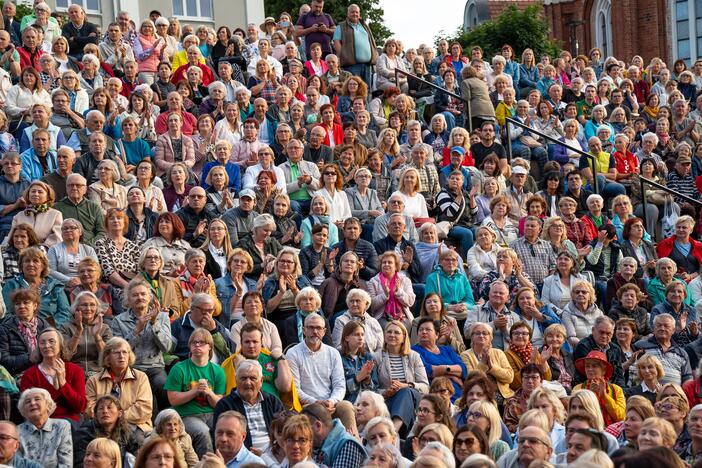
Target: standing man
{"points": [[78, 31], [316, 26], [9, 10], [355, 45]]}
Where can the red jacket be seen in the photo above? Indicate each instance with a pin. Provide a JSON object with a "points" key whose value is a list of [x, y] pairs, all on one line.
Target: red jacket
{"points": [[70, 399], [467, 159], [626, 163], [693, 391], [338, 132], [665, 247], [180, 74], [29, 60]]}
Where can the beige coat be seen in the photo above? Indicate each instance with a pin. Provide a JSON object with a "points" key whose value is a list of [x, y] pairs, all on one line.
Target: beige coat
{"points": [[501, 371], [135, 396], [46, 225]]}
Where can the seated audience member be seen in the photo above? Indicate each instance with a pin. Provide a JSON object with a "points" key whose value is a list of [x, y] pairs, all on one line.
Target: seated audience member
{"points": [[36, 406]]}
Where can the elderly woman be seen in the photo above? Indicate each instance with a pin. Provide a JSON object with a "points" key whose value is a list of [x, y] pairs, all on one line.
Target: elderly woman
{"points": [[169, 425], [90, 77], [44, 440], [391, 291], [85, 334], [168, 238], [20, 237], [439, 360], [232, 287], [576, 229], [491, 361], [579, 314], [307, 301], [598, 371], [145, 172], [193, 280], [65, 381], [453, 286], [319, 214], [252, 303], [428, 250], [148, 50], [400, 390], [142, 219], [626, 305], [108, 422], [34, 275], [18, 339], [165, 290], [173, 146], [510, 270], [682, 249], [118, 256], [89, 273], [655, 432], [39, 213], [364, 201], [482, 257], [556, 351], [557, 287], [649, 371], [119, 378], [500, 223], [666, 268], [554, 231], [65, 256], [196, 403], [262, 247], [674, 304], [410, 189], [106, 192], [358, 302], [213, 104], [522, 352], [220, 197], [448, 334]]}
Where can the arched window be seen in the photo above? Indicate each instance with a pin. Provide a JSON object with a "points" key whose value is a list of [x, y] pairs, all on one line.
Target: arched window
{"points": [[470, 15], [602, 26]]}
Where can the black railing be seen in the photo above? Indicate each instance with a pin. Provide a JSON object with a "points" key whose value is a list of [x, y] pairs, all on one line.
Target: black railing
{"points": [[644, 181], [592, 158], [468, 123]]}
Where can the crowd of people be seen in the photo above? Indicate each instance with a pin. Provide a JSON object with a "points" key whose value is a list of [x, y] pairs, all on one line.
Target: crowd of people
{"points": [[289, 246]]}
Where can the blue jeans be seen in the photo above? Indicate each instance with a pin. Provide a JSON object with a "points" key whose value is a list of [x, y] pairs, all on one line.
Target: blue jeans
{"points": [[360, 69], [450, 120], [300, 206], [464, 235], [608, 189]]}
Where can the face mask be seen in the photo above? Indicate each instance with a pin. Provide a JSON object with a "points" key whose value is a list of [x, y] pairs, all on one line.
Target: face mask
{"points": [[284, 24]]}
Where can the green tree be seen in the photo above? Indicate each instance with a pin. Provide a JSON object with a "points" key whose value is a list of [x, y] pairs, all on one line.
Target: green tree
{"points": [[521, 29], [371, 12]]}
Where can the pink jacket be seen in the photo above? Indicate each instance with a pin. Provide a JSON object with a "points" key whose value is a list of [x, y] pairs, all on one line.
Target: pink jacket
{"points": [[164, 157]]}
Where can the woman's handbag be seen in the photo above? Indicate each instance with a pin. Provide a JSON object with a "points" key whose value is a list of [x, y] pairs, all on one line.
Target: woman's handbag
{"points": [[530, 141], [671, 212]]}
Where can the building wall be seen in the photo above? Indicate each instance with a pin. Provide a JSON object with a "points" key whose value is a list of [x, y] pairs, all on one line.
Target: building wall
{"points": [[233, 13], [639, 27]]}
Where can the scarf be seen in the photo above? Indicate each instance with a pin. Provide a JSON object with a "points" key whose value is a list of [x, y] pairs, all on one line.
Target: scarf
{"points": [[28, 330], [523, 353], [610, 389], [663, 138], [301, 316], [36, 209], [187, 284], [651, 111], [155, 284], [393, 308]]}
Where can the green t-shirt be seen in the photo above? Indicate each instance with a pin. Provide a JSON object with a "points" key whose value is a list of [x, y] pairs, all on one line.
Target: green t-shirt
{"points": [[270, 373], [186, 375]]}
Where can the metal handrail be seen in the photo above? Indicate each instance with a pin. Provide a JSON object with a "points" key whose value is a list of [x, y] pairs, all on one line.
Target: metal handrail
{"points": [[643, 181], [592, 158], [443, 90]]}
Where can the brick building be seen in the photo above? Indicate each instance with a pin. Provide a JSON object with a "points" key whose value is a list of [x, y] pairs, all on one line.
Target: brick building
{"points": [[668, 29]]}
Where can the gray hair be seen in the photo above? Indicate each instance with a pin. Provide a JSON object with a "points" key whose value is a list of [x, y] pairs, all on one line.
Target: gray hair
{"points": [[242, 89], [498, 59], [94, 113], [313, 316], [627, 260], [358, 293], [50, 404], [478, 460], [113, 168], [380, 407], [650, 136], [249, 364], [390, 450], [194, 253], [73, 221], [594, 196], [80, 296], [75, 175], [665, 261], [603, 319], [663, 316], [201, 298], [164, 416], [378, 420], [446, 455], [263, 220], [92, 59]]}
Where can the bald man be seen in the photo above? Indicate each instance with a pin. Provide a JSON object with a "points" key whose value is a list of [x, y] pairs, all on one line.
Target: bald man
{"points": [[194, 216]]}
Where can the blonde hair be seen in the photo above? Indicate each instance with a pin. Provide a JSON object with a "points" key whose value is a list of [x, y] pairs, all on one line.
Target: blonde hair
{"points": [[489, 411], [664, 427], [559, 413], [107, 447], [590, 405], [405, 347]]}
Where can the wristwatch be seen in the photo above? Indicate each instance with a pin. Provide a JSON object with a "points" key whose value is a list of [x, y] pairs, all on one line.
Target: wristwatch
{"points": [[448, 369], [280, 358]]}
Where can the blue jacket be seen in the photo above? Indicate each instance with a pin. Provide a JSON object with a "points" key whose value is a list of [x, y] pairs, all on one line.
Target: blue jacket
{"points": [[233, 172], [54, 302], [55, 134], [528, 77], [335, 440], [446, 357], [352, 365], [560, 154], [225, 292], [31, 167], [512, 69], [445, 171], [10, 193]]}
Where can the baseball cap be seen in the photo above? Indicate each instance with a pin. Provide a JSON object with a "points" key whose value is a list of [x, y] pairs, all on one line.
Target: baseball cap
{"points": [[247, 193]]}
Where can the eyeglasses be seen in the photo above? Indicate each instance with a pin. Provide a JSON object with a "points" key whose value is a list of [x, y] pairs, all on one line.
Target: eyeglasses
{"points": [[424, 411], [532, 441], [330, 173], [5, 437], [152, 257], [666, 406], [474, 415], [468, 441], [69, 228], [199, 343], [580, 291]]}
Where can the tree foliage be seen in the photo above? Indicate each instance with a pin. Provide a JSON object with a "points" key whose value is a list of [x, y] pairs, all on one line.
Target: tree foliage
{"points": [[521, 29], [371, 12]]}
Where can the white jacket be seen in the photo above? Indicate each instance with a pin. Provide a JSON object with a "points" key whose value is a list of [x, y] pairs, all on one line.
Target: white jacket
{"points": [[579, 324], [20, 99], [481, 262], [552, 292]]}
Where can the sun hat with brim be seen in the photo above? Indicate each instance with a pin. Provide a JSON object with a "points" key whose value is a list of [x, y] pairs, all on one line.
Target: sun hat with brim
{"points": [[595, 356], [268, 20]]}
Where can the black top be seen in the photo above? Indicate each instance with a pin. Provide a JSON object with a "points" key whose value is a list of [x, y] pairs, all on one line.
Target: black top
{"points": [[480, 152]]}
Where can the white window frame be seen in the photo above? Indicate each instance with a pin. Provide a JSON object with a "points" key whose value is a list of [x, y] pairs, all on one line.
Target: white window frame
{"points": [[693, 33], [603, 7], [201, 19], [82, 3]]}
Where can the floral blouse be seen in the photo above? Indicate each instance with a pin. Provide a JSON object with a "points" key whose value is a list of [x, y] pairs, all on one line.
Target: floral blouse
{"points": [[51, 446]]}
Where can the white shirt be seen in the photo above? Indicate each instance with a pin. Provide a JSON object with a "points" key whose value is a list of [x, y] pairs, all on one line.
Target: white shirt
{"points": [[318, 375], [252, 173]]}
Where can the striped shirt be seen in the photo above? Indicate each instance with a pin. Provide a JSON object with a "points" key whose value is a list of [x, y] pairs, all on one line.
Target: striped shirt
{"points": [[256, 424], [397, 368]]}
